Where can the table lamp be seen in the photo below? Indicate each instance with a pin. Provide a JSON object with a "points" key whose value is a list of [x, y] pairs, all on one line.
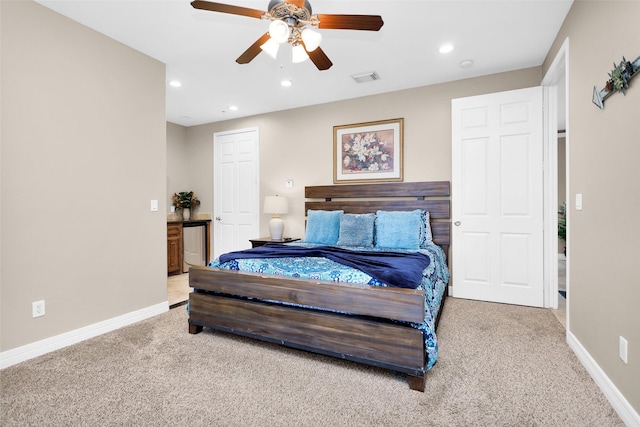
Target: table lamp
{"points": [[276, 205]]}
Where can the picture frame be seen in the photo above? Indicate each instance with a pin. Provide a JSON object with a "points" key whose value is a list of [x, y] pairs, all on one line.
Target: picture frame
{"points": [[368, 152]]}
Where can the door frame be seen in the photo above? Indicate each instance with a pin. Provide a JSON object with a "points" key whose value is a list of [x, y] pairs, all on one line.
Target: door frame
{"points": [[558, 70]]}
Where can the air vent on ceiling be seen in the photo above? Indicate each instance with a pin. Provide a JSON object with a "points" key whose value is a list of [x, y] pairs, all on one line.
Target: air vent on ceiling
{"points": [[366, 77]]}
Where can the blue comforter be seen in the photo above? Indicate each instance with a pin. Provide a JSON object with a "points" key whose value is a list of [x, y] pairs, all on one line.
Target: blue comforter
{"points": [[402, 270]]}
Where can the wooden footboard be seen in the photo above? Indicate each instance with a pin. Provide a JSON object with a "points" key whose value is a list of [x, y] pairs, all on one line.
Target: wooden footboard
{"points": [[385, 302], [348, 337], [369, 336]]}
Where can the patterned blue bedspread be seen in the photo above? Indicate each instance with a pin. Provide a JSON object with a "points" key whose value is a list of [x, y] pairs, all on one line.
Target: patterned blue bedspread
{"points": [[435, 278]]}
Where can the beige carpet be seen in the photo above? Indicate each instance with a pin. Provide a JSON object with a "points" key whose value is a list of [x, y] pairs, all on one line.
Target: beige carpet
{"points": [[499, 365]]}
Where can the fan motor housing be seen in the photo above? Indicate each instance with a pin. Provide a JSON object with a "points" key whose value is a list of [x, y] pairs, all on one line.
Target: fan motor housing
{"points": [[289, 12]]}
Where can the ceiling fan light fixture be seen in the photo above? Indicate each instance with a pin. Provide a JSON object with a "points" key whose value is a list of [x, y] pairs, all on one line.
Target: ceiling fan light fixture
{"points": [[311, 39], [279, 31], [289, 19], [270, 47], [298, 54]]}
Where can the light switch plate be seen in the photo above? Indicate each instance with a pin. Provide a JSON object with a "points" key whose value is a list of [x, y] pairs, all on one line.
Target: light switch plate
{"points": [[154, 206], [579, 201], [289, 183], [623, 349]]}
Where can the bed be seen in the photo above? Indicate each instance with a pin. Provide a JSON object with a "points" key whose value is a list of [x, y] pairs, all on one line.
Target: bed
{"points": [[374, 323]]}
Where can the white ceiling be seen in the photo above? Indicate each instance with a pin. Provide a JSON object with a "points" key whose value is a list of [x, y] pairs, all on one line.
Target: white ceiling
{"points": [[199, 48]]}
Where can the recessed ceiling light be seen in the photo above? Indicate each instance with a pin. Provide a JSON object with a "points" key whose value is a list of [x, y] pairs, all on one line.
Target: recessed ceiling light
{"points": [[286, 83], [466, 63], [175, 83], [233, 108], [445, 48]]}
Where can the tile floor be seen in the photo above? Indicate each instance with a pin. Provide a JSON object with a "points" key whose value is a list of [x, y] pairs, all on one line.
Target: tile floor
{"points": [[178, 289]]}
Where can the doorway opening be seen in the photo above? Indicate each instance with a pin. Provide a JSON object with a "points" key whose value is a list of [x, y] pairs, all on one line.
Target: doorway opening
{"points": [[557, 268]]}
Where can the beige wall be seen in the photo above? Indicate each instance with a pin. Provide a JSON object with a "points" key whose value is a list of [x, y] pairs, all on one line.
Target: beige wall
{"points": [[298, 144], [178, 170], [603, 151], [83, 153]]}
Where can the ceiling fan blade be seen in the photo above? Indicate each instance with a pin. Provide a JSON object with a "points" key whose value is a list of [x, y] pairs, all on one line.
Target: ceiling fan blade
{"points": [[227, 8], [253, 50], [319, 58], [351, 22]]}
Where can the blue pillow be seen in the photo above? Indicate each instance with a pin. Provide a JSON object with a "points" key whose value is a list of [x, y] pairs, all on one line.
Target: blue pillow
{"points": [[356, 230], [398, 230], [323, 227]]}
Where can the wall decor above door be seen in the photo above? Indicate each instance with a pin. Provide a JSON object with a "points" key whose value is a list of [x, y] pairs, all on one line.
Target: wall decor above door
{"points": [[618, 81]]}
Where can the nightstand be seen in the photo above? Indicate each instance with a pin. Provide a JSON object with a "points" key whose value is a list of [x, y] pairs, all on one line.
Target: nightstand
{"points": [[264, 240]]}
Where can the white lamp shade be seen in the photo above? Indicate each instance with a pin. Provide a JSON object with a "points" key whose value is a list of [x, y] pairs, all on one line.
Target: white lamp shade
{"points": [[298, 54], [270, 47], [311, 39], [279, 31], [275, 205]]}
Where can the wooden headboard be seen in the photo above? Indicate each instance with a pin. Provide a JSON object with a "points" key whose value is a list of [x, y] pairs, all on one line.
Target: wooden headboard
{"points": [[433, 196]]}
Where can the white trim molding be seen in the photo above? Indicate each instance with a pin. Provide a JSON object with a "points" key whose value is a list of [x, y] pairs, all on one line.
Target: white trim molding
{"points": [[38, 348], [621, 405]]}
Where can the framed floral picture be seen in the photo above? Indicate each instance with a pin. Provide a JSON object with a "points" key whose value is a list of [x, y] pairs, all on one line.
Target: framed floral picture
{"points": [[369, 151]]}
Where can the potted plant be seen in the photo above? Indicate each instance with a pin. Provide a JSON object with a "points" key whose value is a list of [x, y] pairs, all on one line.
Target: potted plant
{"points": [[562, 224], [185, 200]]}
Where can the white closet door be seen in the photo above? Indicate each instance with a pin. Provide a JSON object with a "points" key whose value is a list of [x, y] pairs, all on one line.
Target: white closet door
{"points": [[236, 210]]}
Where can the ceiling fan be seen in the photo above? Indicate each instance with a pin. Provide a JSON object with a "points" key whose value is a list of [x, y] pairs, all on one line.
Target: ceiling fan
{"points": [[292, 22]]}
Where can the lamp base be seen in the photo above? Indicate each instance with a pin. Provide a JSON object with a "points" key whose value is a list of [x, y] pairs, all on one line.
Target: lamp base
{"points": [[276, 228]]}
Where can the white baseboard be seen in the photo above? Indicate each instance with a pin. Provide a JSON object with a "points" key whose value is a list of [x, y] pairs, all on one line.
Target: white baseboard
{"points": [[621, 405], [38, 348]]}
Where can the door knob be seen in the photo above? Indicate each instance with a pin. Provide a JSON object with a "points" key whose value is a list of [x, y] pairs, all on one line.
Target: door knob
{"points": [[218, 218], [457, 223]]}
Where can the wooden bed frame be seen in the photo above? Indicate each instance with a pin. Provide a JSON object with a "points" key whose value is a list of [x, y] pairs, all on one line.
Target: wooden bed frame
{"points": [[369, 335]]}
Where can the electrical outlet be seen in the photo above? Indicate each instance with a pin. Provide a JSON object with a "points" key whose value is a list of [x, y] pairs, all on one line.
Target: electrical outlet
{"points": [[38, 308], [623, 349]]}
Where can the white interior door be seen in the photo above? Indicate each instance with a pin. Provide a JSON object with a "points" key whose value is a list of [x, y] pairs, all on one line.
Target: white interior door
{"points": [[497, 197], [236, 209]]}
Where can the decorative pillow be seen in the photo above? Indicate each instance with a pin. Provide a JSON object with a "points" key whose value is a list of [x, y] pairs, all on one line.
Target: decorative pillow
{"points": [[323, 227], [398, 230], [426, 236], [356, 230]]}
